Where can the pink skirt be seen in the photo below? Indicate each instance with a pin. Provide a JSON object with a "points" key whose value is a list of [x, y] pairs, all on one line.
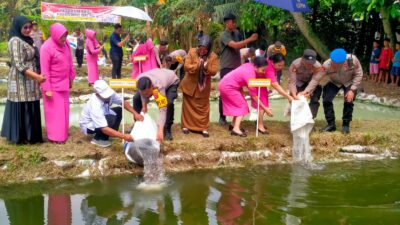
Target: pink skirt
{"points": [[263, 98], [233, 101], [56, 115], [373, 68]]}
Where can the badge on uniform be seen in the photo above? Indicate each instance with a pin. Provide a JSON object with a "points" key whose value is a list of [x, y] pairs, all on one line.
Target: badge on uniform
{"points": [[161, 100]]}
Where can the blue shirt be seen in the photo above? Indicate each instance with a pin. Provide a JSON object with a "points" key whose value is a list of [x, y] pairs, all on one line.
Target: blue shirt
{"points": [[115, 49], [396, 62], [376, 52]]}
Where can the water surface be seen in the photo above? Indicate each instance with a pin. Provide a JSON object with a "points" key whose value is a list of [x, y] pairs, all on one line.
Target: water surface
{"points": [[362, 193]]}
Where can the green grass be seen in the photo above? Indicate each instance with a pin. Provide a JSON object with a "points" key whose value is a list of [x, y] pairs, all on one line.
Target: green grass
{"points": [[3, 48]]}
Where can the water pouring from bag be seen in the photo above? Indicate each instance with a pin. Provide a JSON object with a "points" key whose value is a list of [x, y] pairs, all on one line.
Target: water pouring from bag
{"points": [[301, 124], [145, 151]]}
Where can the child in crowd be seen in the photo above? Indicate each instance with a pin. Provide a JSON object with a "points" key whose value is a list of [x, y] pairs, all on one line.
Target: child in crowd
{"points": [[374, 63], [384, 61], [395, 73], [102, 61]]}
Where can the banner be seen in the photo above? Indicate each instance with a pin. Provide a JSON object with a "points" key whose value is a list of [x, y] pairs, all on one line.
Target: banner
{"points": [[63, 12]]}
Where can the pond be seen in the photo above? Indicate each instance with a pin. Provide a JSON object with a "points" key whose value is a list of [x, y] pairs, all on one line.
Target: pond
{"points": [[362, 111], [365, 192]]}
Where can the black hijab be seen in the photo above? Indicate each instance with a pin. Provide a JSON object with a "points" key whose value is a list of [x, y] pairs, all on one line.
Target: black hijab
{"points": [[205, 41], [17, 24]]}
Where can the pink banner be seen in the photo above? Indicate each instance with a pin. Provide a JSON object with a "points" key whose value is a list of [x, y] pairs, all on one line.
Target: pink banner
{"points": [[63, 12]]}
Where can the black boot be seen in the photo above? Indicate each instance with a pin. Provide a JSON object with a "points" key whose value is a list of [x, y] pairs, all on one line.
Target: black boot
{"points": [[168, 134], [222, 121], [329, 128], [346, 127]]}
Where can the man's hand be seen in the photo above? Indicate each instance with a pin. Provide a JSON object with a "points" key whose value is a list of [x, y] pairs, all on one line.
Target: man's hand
{"points": [[253, 37], [303, 93], [70, 84], [160, 135], [349, 96], [127, 137], [49, 93], [290, 98], [144, 110], [138, 117]]}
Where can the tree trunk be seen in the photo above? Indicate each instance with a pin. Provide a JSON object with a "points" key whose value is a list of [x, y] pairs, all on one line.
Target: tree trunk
{"points": [[148, 25], [386, 26], [311, 37]]}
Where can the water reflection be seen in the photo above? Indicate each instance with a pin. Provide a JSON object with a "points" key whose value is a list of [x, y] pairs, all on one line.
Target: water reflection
{"points": [[59, 209], [282, 194], [27, 211], [297, 196]]}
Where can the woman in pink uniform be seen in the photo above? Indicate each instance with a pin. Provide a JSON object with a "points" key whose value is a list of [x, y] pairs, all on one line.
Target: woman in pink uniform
{"points": [[145, 49], [276, 63], [93, 49], [58, 68], [230, 87]]}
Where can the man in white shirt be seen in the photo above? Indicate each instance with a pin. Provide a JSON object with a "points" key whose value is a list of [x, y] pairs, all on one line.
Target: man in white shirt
{"points": [[100, 119]]}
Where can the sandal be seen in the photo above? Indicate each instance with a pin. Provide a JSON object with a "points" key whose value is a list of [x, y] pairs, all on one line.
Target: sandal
{"points": [[263, 132], [233, 133], [205, 134], [241, 129], [185, 130]]}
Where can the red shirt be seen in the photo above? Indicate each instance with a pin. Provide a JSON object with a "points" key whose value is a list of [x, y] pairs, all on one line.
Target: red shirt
{"points": [[386, 56]]}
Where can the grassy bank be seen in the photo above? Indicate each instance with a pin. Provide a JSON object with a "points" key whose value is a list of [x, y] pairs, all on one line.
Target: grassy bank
{"points": [[29, 162]]}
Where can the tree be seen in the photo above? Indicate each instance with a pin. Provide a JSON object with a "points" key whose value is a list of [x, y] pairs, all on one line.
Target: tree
{"points": [[386, 8], [311, 37]]}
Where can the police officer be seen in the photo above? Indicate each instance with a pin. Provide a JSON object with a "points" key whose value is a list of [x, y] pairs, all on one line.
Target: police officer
{"points": [[305, 73], [345, 72]]}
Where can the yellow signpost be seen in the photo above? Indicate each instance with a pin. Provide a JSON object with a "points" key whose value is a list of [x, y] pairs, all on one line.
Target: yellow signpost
{"points": [[140, 59], [259, 83], [123, 83]]}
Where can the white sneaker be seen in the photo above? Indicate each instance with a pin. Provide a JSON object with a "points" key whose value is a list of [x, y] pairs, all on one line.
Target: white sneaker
{"points": [[100, 143]]}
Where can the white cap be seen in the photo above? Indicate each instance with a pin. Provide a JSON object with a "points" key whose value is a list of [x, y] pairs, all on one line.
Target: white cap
{"points": [[101, 87]]}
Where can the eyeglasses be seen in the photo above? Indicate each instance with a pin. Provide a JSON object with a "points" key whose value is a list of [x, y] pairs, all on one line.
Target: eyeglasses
{"points": [[27, 27]]}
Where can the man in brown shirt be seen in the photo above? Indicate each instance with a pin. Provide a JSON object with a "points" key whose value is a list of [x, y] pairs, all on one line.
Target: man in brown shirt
{"points": [[305, 73], [345, 72]]}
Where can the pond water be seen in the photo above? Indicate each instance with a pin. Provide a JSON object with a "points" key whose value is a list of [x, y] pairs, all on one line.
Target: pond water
{"points": [[366, 192], [362, 111]]}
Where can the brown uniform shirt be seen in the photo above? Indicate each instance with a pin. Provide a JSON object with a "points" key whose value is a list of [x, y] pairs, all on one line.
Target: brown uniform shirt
{"points": [[189, 83], [345, 75], [300, 75]]}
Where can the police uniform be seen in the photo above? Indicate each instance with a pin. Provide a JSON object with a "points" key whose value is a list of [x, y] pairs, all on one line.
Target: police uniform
{"points": [[306, 79], [347, 77]]}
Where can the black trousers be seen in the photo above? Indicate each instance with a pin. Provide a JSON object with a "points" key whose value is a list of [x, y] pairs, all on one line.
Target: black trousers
{"points": [[116, 66], [181, 70], [222, 74], [329, 92], [172, 94], [314, 99], [113, 121], [79, 56]]}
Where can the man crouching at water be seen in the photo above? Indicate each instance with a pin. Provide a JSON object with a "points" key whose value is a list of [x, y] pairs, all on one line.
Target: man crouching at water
{"points": [[100, 119], [162, 84]]}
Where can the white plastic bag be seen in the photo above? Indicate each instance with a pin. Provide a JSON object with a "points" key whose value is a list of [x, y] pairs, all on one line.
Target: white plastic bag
{"points": [[144, 134], [145, 129], [301, 124]]}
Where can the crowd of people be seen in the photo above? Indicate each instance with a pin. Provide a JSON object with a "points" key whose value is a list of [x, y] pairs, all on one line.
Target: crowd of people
{"points": [[381, 59], [49, 73]]}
